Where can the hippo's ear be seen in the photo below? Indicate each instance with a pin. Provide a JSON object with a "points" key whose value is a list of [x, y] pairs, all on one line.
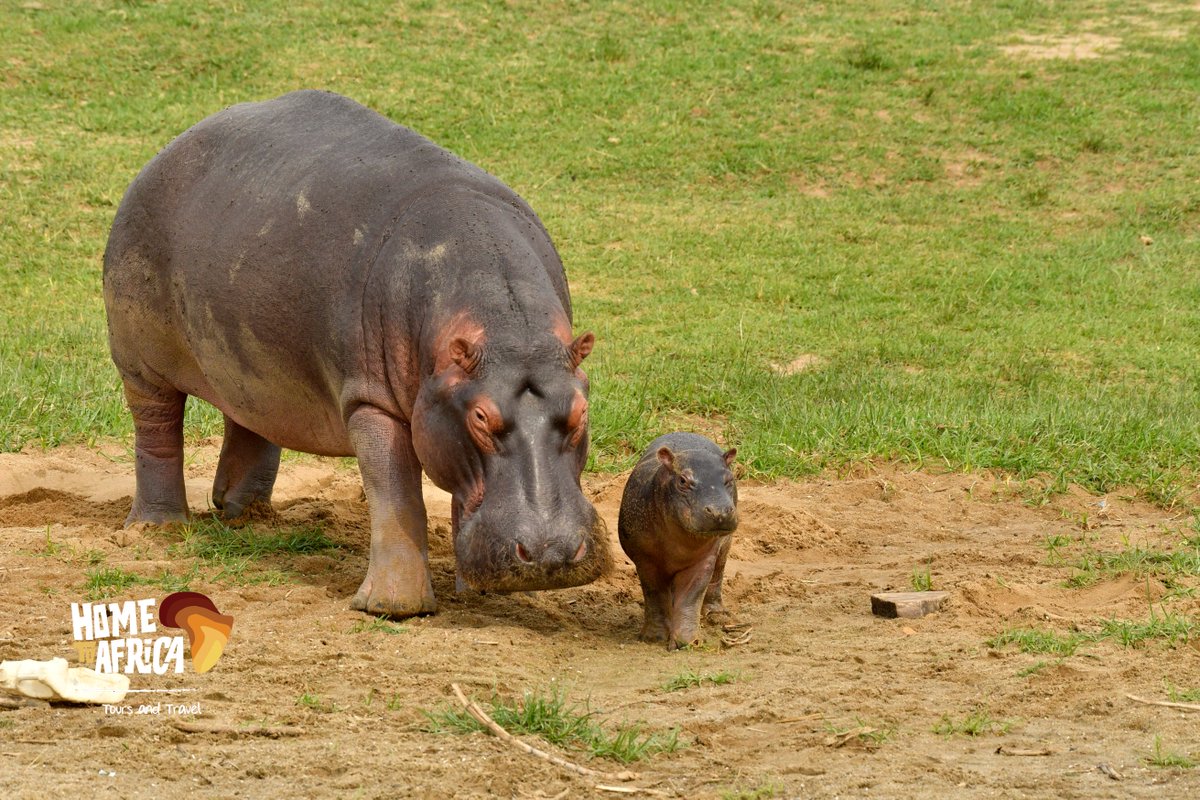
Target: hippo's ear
{"points": [[666, 457], [466, 354], [581, 347], [729, 455]]}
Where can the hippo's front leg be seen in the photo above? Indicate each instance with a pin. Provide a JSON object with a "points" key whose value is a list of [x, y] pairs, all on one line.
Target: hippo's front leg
{"points": [[687, 592], [713, 608], [398, 581]]}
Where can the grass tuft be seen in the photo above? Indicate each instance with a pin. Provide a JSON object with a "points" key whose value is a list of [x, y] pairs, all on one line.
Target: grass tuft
{"points": [[690, 678], [978, 723], [552, 718], [1038, 641], [1168, 759], [377, 625]]}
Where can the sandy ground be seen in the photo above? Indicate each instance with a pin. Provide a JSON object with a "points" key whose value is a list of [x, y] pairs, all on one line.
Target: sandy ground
{"points": [[805, 561]]}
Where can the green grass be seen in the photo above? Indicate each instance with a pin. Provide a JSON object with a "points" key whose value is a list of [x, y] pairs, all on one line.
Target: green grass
{"points": [[1177, 695], [1168, 627], [871, 735], [377, 625], [1169, 759], [312, 702], [690, 678], [551, 717], [978, 723], [1171, 565], [106, 582], [1038, 641], [242, 555], [921, 580], [955, 231]]}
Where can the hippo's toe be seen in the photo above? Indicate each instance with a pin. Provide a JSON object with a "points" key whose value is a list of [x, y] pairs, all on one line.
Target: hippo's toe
{"points": [[391, 601]]}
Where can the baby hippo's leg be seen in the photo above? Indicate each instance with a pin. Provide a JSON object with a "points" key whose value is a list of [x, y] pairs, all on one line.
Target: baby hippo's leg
{"points": [[687, 590], [713, 607], [656, 594]]}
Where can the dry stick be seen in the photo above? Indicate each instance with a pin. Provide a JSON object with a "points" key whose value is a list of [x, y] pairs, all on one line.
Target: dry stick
{"points": [[1167, 703], [274, 731], [483, 719]]}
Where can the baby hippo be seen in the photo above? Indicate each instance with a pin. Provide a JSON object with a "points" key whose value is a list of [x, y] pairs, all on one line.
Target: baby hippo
{"points": [[678, 514]]}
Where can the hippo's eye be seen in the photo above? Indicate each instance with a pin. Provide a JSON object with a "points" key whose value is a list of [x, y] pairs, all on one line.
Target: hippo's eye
{"points": [[482, 426], [683, 483]]}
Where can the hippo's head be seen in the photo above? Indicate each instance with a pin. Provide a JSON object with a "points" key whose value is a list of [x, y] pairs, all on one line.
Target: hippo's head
{"points": [[698, 490], [503, 427]]}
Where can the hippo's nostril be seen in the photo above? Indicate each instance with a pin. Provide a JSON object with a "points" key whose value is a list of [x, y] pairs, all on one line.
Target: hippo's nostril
{"points": [[580, 553], [523, 554]]}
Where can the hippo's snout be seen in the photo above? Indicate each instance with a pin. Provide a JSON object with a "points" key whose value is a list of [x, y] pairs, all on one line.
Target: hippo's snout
{"points": [[721, 517], [494, 558], [551, 556]]}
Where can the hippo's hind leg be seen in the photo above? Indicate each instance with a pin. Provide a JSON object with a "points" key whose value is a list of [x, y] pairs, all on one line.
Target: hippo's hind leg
{"points": [[245, 472], [398, 581], [158, 452]]}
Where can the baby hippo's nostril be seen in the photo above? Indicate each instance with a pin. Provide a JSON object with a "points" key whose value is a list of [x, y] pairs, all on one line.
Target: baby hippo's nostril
{"points": [[580, 553], [523, 554]]}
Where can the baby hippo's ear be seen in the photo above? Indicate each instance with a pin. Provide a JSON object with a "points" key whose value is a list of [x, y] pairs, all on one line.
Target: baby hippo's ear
{"points": [[667, 458], [729, 456]]}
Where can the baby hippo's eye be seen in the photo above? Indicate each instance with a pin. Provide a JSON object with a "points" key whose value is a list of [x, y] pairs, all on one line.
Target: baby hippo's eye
{"points": [[683, 483], [479, 415]]}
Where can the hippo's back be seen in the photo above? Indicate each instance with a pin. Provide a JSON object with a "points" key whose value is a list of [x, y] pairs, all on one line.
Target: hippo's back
{"points": [[241, 256]]}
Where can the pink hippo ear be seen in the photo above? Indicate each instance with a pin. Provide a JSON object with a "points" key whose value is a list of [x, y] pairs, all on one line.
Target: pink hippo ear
{"points": [[666, 457], [729, 456], [465, 354], [581, 347]]}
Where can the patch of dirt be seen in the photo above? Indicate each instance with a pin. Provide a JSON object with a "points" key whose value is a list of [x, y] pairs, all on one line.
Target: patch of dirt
{"points": [[1072, 47], [804, 563], [804, 362]]}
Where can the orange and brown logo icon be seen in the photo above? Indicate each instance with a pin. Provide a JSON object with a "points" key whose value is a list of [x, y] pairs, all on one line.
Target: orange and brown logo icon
{"points": [[207, 629]]}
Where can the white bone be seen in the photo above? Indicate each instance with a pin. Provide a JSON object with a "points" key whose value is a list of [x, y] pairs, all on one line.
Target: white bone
{"points": [[51, 680]]}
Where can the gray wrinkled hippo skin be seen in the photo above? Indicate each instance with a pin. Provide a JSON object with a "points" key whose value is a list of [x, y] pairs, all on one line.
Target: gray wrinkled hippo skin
{"points": [[337, 284], [678, 514]]}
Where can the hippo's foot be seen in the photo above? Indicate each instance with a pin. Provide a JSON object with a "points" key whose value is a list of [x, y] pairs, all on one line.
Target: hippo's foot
{"points": [[683, 639], [245, 475], [258, 511], [155, 517], [397, 594], [715, 612], [654, 630]]}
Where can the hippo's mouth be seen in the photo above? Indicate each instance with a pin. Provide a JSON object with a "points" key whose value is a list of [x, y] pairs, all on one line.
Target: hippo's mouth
{"points": [[494, 561]]}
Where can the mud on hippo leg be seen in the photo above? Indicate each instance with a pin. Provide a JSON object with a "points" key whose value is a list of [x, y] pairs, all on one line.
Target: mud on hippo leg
{"points": [[160, 498], [245, 472], [398, 580]]}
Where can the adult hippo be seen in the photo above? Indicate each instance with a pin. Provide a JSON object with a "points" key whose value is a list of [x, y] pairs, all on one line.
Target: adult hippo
{"points": [[337, 284]]}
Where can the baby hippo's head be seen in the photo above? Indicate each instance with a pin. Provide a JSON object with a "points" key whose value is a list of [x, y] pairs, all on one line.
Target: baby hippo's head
{"points": [[700, 493]]}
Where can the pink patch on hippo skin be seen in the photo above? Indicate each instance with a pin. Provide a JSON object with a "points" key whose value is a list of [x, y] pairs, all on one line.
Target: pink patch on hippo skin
{"points": [[577, 419]]}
